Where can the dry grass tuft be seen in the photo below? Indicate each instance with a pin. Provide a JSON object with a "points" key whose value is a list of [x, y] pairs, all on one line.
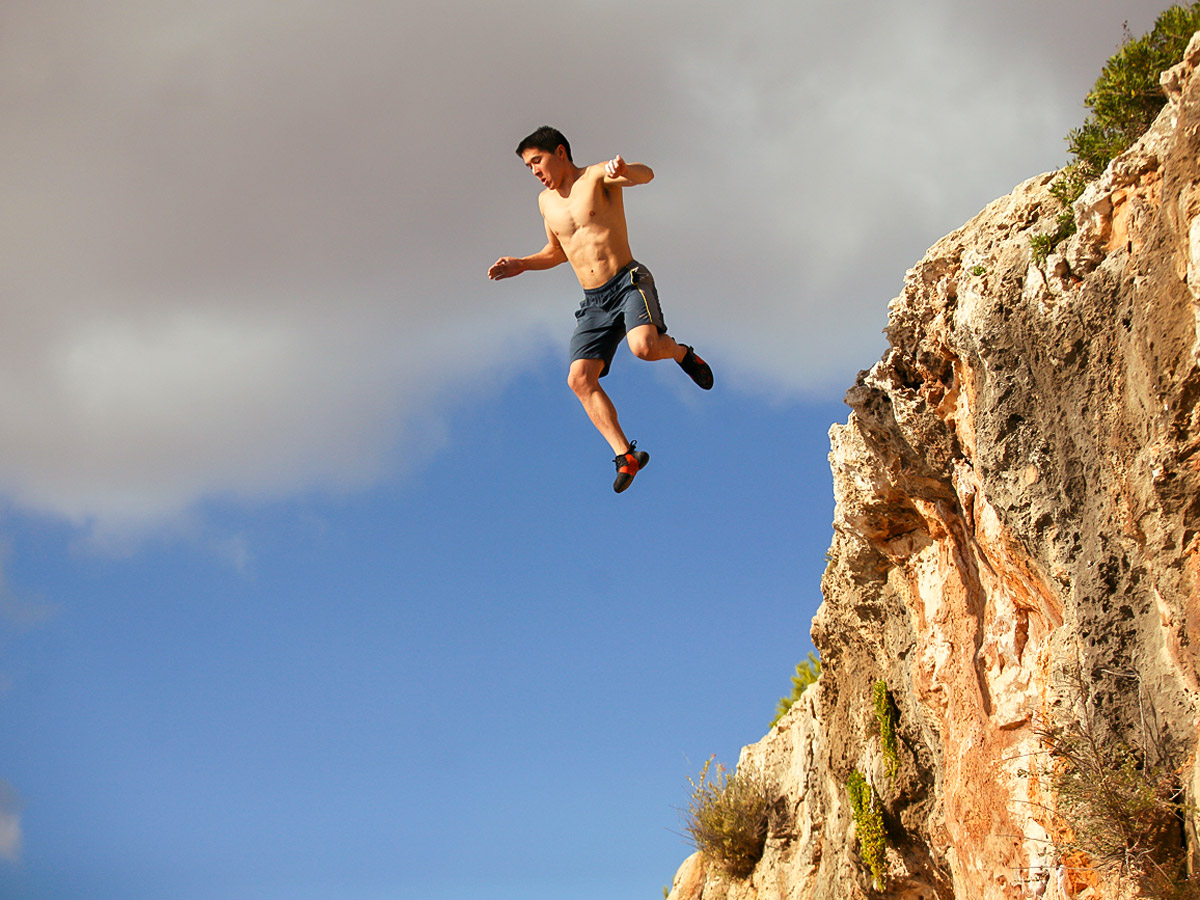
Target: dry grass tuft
{"points": [[727, 817]]}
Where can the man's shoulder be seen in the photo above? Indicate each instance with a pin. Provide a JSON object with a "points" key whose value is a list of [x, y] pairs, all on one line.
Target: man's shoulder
{"points": [[598, 171]]}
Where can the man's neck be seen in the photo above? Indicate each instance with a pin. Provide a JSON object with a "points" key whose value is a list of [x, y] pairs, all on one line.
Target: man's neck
{"points": [[569, 178]]}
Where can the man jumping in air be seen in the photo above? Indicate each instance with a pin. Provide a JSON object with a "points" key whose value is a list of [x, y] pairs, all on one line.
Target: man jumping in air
{"points": [[585, 226]]}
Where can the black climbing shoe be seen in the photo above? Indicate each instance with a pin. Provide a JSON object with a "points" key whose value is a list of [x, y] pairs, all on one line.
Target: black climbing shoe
{"points": [[697, 369], [628, 464]]}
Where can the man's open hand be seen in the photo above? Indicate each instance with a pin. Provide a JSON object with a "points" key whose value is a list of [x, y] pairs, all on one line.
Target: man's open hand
{"points": [[615, 167], [505, 267]]}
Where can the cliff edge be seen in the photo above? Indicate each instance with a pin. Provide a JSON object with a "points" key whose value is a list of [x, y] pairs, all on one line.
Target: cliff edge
{"points": [[1016, 536]]}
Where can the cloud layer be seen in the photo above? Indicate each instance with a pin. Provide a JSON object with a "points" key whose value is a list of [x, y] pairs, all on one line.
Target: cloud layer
{"points": [[245, 251]]}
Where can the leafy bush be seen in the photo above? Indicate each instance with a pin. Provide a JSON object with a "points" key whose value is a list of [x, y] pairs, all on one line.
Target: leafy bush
{"points": [[1127, 97], [868, 824], [727, 818], [1124, 102], [806, 674]]}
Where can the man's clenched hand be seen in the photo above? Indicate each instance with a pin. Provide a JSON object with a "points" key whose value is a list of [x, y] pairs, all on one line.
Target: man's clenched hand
{"points": [[615, 167]]}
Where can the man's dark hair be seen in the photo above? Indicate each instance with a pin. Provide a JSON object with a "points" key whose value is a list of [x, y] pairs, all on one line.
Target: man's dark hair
{"points": [[548, 139]]}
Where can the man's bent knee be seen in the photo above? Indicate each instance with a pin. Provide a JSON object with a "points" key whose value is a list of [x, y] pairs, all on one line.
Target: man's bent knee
{"points": [[642, 350], [644, 342]]}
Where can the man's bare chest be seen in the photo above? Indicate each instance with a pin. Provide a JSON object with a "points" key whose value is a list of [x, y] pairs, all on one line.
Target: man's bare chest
{"points": [[577, 212]]}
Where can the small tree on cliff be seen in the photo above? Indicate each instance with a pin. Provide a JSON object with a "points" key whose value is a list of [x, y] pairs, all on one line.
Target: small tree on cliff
{"points": [[1123, 103], [1127, 96], [806, 674]]}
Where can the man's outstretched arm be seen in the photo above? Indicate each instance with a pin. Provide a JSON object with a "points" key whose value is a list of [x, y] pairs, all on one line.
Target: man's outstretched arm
{"points": [[547, 258], [622, 174]]}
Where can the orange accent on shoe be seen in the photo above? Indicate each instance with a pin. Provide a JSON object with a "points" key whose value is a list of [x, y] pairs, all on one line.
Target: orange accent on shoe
{"points": [[629, 464]]}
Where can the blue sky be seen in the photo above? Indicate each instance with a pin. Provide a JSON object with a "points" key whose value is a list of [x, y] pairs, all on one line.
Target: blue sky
{"points": [[313, 581], [492, 676]]}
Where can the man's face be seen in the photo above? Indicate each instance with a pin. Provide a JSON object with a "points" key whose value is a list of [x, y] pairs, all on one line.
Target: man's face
{"points": [[547, 167]]}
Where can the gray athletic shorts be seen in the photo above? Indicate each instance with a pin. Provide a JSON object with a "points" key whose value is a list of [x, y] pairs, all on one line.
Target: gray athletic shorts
{"points": [[612, 310]]}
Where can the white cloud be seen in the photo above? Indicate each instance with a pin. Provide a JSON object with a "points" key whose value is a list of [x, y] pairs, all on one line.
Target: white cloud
{"points": [[243, 252], [835, 143]]}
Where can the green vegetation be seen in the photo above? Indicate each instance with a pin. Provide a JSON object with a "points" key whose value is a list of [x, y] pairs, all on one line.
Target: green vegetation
{"points": [[868, 824], [864, 800], [727, 818], [1121, 804], [806, 673], [1127, 97], [1066, 188], [885, 715], [1124, 102]]}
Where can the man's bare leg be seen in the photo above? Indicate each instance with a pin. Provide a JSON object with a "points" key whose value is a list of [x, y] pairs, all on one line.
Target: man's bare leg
{"points": [[645, 342], [584, 380]]}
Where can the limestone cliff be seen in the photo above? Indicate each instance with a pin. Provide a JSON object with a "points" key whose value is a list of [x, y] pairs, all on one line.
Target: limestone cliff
{"points": [[1018, 497]]}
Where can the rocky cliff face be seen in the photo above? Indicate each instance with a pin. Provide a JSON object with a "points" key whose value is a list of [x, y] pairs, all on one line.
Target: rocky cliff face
{"points": [[1018, 499]]}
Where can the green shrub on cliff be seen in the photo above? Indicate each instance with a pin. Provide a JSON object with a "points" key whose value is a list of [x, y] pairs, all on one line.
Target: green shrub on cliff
{"points": [[885, 717], [868, 825], [1123, 103], [806, 673], [1127, 97]]}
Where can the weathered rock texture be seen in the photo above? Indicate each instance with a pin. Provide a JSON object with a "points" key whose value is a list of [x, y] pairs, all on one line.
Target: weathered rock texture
{"points": [[1018, 497]]}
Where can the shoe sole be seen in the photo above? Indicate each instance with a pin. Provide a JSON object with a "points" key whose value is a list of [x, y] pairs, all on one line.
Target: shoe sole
{"points": [[704, 377]]}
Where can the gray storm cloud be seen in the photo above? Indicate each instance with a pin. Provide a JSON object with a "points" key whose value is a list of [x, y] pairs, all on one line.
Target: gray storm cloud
{"points": [[244, 250]]}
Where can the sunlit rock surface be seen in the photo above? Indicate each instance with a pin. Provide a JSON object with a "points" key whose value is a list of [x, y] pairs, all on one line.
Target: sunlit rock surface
{"points": [[1018, 498]]}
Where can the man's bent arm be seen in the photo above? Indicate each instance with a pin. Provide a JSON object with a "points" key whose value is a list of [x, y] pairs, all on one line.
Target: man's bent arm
{"points": [[619, 173]]}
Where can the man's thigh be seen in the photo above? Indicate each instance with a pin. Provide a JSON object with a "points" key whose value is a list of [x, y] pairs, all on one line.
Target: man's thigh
{"points": [[641, 305], [597, 335]]}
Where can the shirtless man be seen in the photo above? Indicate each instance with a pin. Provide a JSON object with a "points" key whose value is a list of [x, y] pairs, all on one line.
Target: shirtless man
{"points": [[585, 226]]}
